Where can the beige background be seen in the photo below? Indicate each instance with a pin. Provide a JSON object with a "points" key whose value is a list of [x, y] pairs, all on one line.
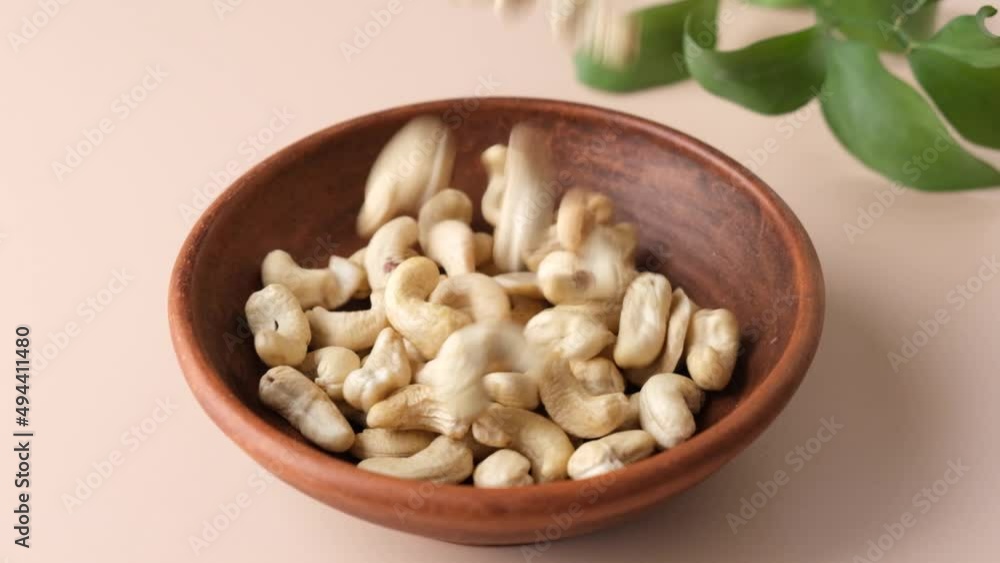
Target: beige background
{"points": [[65, 236]]}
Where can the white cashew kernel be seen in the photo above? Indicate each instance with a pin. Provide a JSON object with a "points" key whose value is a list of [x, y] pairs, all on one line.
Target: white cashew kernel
{"points": [[579, 211], [329, 367], [643, 325], [280, 328], [549, 243], [415, 407], [385, 370], [713, 344], [524, 284], [445, 234], [532, 435], [306, 407], [380, 442], [574, 409], [503, 469], [483, 245], [358, 259], [312, 287], [475, 294], [681, 309], [631, 421], [494, 159], [599, 376], [667, 405], [425, 324], [523, 309], [388, 248], [610, 453], [573, 335], [444, 461], [512, 389], [355, 330]]}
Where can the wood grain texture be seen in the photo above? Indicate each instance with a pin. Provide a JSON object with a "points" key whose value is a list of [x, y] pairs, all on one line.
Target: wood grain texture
{"points": [[704, 221]]}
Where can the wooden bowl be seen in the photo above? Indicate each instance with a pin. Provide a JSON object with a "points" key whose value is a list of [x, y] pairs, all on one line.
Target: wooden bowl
{"points": [[706, 222]]}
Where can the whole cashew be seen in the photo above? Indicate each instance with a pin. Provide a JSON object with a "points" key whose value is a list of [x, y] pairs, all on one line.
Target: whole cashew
{"points": [[681, 309], [512, 389], [644, 320], [415, 407], [601, 271], [579, 211], [388, 248], [574, 409], [379, 442], [532, 435], [494, 159], [573, 335], [306, 407], [386, 370], [425, 324], [445, 234], [311, 287], [503, 469], [444, 461], [667, 405], [329, 367], [599, 376], [713, 344], [280, 328], [413, 165], [610, 453], [475, 294], [524, 284], [355, 330]]}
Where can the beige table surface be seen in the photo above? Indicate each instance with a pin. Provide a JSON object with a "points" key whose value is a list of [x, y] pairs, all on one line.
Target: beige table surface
{"points": [[211, 82]]}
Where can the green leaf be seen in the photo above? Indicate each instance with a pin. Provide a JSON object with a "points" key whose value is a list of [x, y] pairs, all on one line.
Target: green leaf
{"points": [[887, 125], [773, 76], [660, 60], [960, 70], [873, 21]]}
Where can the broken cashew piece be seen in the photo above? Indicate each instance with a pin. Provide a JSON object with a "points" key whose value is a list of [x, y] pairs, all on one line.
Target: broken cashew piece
{"points": [[599, 376], [643, 326], [579, 211], [535, 437], [681, 309], [380, 442], [388, 248], [425, 324], [306, 407], [494, 159], [416, 162], [574, 409], [415, 407], [475, 294], [280, 329], [354, 330], [386, 370], [713, 344], [667, 405], [573, 335], [503, 469], [328, 367], [443, 461], [610, 453], [311, 286], [512, 389]]}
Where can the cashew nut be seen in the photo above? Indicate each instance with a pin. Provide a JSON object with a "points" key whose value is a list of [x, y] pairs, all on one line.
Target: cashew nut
{"points": [[311, 287], [445, 234], [610, 453], [599, 376], [608, 312], [475, 294], [532, 435], [483, 246], [602, 270], [386, 370], [388, 248], [413, 165], [579, 211], [444, 461], [523, 309], [643, 325], [425, 324], [572, 407], [608, 35], [355, 330], [358, 259], [713, 344], [573, 335], [494, 159], [329, 367], [380, 442], [503, 469], [549, 243], [512, 389], [631, 421], [524, 284], [306, 407], [681, 309], [667, 405], [280, 328], [415, 407]]}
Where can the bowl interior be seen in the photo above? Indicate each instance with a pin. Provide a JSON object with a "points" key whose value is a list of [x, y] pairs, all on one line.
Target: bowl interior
{"points": [[698, 225]]}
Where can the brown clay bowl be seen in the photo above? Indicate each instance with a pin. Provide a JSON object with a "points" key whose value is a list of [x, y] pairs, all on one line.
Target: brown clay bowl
{"points": [[706, 222]]}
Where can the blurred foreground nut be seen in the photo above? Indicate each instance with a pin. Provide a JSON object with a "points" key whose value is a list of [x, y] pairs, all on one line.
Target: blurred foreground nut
{"points": [[610, 453], [306, 407], [713, 344], [280, 328], [443, 461], [502, 469]]}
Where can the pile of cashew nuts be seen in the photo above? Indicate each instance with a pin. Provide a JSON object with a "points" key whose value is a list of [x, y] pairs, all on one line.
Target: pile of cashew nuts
{"points": [[532, 354]]}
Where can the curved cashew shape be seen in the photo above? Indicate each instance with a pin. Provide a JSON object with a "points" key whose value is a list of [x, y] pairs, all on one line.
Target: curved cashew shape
{"points": [[643, 325], [528, 204], [610, 453], [573, 335], [312, 287], [494, 159], [681, 309], [512, 389], [599, 376], [354, 330], [667, 405], [482, 244], [574, 409], [444, 461], [601, 271], [524, 284], [306, 407], [713, 344], [425, 324], [532, 435], [329, 367], [358, 259], [631, 421], [380, 442], [389, 247], [386, 370], [414, 164], [503, 469], [579, 211], [445, 234], [280, 328], [475, 294], [415, 407], [523, 309]]}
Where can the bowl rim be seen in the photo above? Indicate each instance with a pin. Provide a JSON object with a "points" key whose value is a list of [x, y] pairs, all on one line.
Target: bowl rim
{"points": [[316, 470]]}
